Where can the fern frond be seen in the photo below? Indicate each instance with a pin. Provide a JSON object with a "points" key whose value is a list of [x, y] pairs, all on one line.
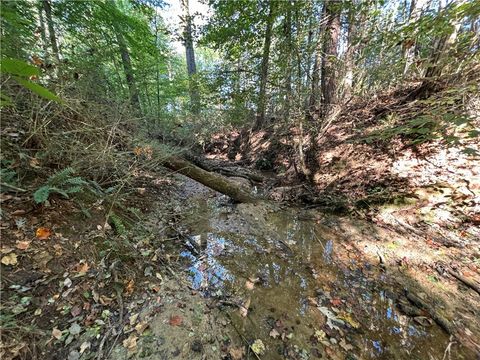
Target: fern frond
{"points": [[117, 224]]}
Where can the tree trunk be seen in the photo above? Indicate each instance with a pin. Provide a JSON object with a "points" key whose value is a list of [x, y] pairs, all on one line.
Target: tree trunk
{"points": [[260, 119], [190, 56], [435, 66], [288, 72], [329, 55], [127, 67], [349, 54], [212, 180], [409, 45], [47, 6], [43, 34], [314, 94]]}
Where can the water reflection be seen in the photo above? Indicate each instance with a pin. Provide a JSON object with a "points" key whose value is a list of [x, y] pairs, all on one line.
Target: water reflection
{"points": [[287, 278], [206, 272]]}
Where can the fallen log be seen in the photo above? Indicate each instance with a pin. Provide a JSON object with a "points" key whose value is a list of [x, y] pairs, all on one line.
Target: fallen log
{"points": [[468, 282], [444, 323], [229, 171], [209, 179]]}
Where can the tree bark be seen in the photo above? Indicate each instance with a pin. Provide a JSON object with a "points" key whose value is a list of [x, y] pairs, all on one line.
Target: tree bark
{"points": [[43, 34], [127, 67], [260, 119], [288, 72], [329, 55], [190, 57], [316, 72], [212, 180], [47, 6]]}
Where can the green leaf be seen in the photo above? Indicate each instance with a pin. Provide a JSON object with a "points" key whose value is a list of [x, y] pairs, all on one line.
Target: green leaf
{"points": [[38, 89], [5, 100], [18, 67], [41, 195], [470, 151]]}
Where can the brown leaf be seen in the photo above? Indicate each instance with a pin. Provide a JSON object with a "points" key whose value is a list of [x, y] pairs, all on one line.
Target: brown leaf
{"points": [[274, 333], [140, 327], [10, 259], [22, 245], [175, 320], [57, 334], [43, 233], [82, 267], [129, 288], [131, 343], [76, 310], [336, 301], [237, 353]]}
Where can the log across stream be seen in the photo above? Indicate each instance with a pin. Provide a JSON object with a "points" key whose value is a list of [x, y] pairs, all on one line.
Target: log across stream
{"points": [[212, 180]]}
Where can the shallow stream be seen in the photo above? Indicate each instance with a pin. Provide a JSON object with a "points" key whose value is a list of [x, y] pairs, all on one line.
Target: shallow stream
{"points": [[303, 290]]}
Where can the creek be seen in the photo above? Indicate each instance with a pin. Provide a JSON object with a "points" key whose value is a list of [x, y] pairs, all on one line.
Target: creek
{"points": [[303, 289]]}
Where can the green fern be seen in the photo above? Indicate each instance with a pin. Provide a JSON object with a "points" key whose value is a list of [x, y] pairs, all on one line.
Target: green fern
{"points": [[63, 183], [117, 223]]}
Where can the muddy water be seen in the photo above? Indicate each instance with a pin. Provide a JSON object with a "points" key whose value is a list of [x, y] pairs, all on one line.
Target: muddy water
{"points": [[308, 294]]}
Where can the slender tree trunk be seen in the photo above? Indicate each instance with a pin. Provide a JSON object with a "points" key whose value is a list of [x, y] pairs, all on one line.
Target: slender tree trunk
{"points": [[127, 67], [260, 119], [288, 73], [43, 34], [47, 6], [435, 66], [349, 54], [329, 55], [409, 45], [190, 56], [316, 72], [157, 66]]}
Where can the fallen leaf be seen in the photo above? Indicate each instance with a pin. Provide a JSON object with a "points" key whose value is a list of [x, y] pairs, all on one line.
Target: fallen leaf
{"points": [[58, 249], [22, 245], [82, 268], [140, 327], [130, 343], [331, 318], [76, 310], [274, 333], [175, 320], [349, 319], [10, 259], [43, 233], [129, 288], [249, 285], [237, 353], [336, 301], [85, 345], [133, 319], [74, 329], [57, 334], [319, 335], [258, 347]]}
